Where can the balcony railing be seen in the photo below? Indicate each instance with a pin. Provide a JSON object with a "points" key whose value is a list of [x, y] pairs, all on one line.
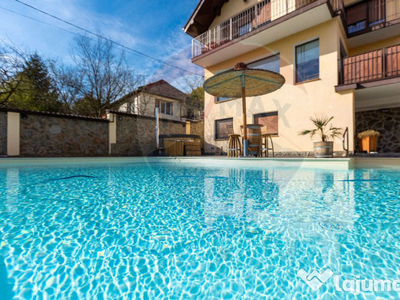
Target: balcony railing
{"points": [[256, 16], [375, 65], [371, 15]]}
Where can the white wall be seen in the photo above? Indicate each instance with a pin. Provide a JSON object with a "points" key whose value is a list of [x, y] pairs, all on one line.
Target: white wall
{"points": [[144, 105], [295, 102]]}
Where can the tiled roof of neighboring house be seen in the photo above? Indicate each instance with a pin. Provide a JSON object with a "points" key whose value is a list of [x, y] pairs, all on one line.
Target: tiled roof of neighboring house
{"points": [[164, 89], [158, 88]]}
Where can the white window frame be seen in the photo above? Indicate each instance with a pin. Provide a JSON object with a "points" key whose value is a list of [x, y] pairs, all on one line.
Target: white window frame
{"points": [[166, 107]]}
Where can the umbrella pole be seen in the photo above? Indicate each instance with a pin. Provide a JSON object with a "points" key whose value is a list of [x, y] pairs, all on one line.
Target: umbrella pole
{"points": [[244, 117]]}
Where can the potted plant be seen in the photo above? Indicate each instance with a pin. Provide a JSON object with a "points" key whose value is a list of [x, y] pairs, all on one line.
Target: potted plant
{"points": [[368, 140], [323, 148]]}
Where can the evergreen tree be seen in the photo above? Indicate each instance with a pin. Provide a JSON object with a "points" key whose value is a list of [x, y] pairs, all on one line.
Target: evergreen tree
{"points": [[197, 96], [36, 90]]}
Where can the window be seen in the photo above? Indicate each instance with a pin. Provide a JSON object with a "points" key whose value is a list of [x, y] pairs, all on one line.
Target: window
{"points": [[307, 61], [356, 17], [220, 99], [269, 119], [165, 107], [365, 14], [221, 128], [271, 63]]}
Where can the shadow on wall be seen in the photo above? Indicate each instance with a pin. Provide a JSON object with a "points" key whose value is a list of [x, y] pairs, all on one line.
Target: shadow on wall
{"points": [[211, 149], [386, 122], [5, 285]]}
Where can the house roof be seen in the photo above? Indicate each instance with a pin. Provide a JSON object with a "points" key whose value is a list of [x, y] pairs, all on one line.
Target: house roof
{"points": [[164, 89], [202, 17], [158, 88]]}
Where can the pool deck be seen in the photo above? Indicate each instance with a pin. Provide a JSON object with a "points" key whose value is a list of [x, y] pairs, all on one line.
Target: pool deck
{"points": [[315, 163]]}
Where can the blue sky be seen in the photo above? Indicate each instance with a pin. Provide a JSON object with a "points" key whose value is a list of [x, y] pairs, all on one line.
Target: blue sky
{"points": [[153, 27]]}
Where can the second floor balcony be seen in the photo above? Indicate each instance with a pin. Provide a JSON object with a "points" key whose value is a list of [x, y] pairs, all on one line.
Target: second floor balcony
{"points": [[252, 19], [366, 16], [358, 19], [370, 68], [260, 24]]}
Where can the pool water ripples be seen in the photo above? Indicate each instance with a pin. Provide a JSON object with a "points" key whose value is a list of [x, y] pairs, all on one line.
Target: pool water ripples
{"points": [[182, 232]]}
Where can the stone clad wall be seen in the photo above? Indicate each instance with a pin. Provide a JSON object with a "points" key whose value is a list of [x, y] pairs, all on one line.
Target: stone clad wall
{"points": [[387, 122], [198, 129], [3, 133], [45, 135], [136, 134]]}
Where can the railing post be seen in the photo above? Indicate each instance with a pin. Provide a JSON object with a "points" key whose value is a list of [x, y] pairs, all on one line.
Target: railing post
{"points": [[212, 41], [256, 16], [230, 29], [341, 72], [218, 34], [384, 60]]}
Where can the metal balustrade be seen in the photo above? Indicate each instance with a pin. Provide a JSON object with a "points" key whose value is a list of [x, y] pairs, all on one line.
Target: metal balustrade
{"points": [[370, 66], [358, 19], [246, 21]]}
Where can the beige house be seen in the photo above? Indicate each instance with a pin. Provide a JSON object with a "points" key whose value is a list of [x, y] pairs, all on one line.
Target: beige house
{"points": [[173, 104], [339, 58]]}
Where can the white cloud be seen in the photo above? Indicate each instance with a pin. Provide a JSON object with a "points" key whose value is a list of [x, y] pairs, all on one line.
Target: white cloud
{"points": [[134, 29], [52, 41], [176, 51]]}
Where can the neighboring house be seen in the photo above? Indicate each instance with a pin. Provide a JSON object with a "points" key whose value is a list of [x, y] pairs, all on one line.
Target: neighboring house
{"points": [[173, 104], [340, 58]]}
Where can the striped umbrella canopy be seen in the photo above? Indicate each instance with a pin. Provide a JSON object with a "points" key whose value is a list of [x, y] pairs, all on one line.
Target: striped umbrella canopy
{"points": [[242, 82]]}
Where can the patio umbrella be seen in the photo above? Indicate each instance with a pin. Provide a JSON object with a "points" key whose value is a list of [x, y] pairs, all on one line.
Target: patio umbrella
{"points": [[242, 82]]}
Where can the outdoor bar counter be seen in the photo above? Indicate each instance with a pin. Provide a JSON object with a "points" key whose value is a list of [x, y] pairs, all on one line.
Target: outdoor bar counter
{"points": [[181, 144]]}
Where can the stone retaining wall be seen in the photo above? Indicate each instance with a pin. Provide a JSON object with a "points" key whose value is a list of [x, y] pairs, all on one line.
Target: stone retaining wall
{"points": [[45, 135], [387, 122], [136, 135], [3, 133], [293, 154], [198, 129]]}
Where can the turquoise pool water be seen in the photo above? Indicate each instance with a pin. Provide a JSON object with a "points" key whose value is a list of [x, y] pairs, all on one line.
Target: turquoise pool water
{"points": [[183, 231]]}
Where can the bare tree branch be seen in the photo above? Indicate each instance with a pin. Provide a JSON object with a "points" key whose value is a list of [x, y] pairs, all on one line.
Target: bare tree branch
{"points": [[12, 60], [104, 76]]}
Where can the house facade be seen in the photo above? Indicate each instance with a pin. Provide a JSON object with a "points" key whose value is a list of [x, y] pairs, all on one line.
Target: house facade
{"points": [[340, 58], [173, 104]]}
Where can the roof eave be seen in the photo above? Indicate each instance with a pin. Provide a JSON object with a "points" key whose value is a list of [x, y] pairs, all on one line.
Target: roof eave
{"points": [[191, 19], [203, 16]]}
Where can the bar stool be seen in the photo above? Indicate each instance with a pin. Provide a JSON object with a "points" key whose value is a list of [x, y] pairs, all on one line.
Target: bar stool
{"points": [[265, 139], [234, 146]]}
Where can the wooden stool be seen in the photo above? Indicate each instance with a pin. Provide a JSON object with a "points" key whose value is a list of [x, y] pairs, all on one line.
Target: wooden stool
{"points": [[264, 147], [234, 147]]}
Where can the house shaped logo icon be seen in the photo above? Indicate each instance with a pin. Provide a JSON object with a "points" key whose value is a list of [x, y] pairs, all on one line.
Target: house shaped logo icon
{"points": [[315, 280]]}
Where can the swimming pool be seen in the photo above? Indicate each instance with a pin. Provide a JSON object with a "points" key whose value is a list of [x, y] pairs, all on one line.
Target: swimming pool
{"points": [[189, 230]]}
